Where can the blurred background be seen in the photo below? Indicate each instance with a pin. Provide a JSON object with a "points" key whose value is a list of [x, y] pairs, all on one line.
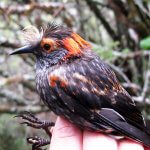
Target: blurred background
{"points": [[119, 31]]}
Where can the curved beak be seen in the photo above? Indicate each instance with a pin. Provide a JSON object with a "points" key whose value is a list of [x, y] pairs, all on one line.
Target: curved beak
{"points": [[22, 50]]}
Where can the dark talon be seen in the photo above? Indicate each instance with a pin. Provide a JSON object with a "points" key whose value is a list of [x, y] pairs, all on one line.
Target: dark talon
{"points": [[32, 121], [29, 117], [37, 142], [43, 125]]}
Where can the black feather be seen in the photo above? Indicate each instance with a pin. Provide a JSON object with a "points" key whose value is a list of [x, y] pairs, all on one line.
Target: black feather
{"points": [[91, 86], [54, 30]]}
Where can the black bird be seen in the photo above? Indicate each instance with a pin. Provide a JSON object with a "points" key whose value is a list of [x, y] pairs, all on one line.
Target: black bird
{"points": [[76, 84]]}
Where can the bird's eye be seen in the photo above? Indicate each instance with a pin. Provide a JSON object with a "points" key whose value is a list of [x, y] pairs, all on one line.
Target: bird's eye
{"points": [[47, 47]]}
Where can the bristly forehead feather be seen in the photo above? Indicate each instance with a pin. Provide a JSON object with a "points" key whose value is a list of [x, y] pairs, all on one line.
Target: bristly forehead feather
{"points": [[32, 35], [56, 31]]}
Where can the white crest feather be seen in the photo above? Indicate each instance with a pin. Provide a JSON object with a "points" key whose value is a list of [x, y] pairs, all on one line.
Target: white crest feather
{"points": [[32, 35]]}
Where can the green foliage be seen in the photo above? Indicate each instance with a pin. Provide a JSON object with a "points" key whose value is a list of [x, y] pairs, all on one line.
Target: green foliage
{"points": [[11, 134], [126, 51], [145, 43], [106, 52]]}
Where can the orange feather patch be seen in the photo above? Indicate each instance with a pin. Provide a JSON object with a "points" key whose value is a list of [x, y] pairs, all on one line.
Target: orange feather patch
{"points": [[82, 43], [71, 46], [75, 44], [54, 79]]}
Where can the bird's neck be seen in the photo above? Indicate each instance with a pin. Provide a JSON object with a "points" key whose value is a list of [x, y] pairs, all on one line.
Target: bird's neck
{"points": [[52, 59]]}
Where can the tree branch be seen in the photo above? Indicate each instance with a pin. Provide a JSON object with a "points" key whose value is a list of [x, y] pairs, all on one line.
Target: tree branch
{"points": [[146, 83], [99, 15], [22, 9], [132, 55]]}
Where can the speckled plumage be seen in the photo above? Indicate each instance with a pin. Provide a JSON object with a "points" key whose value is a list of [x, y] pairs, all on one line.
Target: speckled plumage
{"points": [[79, 86], [90, 83]]}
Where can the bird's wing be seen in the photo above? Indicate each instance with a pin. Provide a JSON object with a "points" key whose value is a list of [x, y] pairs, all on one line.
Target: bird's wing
{"points": [[91, 87], [94, 85]]}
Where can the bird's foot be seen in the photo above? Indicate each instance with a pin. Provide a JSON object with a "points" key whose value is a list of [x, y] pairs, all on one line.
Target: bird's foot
{"points": [[34, 122], [37, 142]]}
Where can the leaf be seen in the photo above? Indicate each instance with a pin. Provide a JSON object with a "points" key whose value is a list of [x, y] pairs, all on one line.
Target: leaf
{"points": [[106, 52], [145, 43]]}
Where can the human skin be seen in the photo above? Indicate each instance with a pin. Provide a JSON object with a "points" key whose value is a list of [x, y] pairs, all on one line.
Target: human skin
{"points": [[69, 137]]}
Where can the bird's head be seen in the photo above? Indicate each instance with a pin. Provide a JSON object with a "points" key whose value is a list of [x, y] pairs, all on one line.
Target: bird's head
{"points": [[53, 43]]}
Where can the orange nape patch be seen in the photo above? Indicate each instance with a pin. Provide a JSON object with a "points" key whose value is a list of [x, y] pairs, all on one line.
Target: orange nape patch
{"points": [[54, 80], [81, 42], [75, 44]]}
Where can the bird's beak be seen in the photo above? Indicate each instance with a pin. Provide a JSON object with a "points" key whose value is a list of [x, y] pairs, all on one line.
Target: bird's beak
{"points": [[22, 50]]}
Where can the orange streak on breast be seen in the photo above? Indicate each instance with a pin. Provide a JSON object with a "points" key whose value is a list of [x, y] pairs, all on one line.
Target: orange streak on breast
{"points": [[63, 83], [54, 79]]}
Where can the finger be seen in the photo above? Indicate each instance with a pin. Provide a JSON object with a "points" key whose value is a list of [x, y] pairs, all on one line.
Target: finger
{"points": [[66, 136], [129, 145], [97, 141]]}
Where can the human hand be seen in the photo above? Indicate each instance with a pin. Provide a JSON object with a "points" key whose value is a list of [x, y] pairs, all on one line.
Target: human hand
{"points": [[67, 136]]}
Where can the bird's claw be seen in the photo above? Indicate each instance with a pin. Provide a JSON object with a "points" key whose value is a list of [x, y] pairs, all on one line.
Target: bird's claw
{"points": [[32, 121], [37, 142]]}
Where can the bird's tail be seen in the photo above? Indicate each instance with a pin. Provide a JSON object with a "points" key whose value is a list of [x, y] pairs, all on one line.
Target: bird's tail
{"points": [[124, 128]]}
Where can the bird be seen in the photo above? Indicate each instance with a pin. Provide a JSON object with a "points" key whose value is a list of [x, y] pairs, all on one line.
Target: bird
{"points": [[76, 84]]}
